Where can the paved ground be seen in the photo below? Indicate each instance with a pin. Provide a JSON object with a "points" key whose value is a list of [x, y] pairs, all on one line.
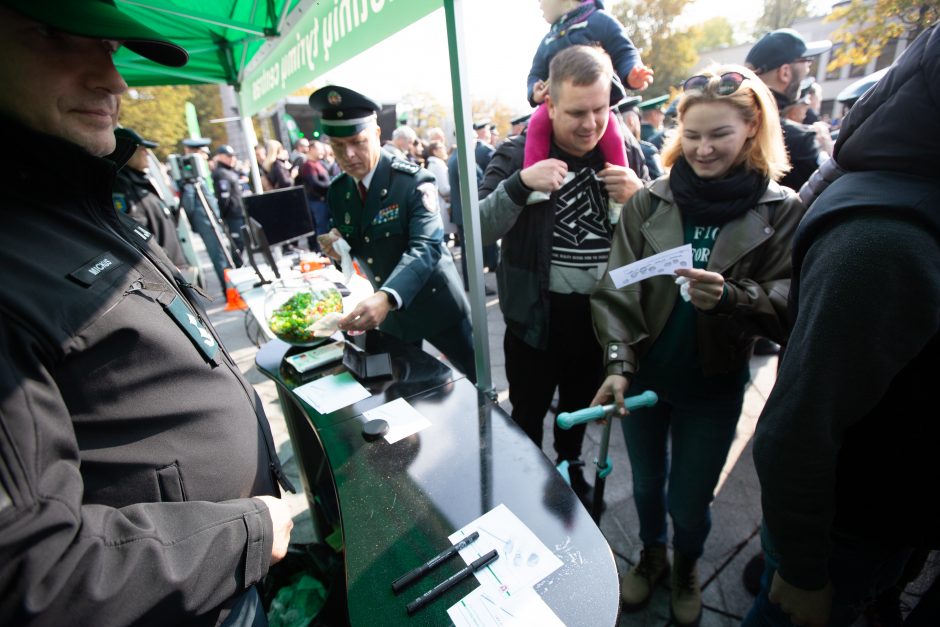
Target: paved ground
{"points": [[736, 510]]}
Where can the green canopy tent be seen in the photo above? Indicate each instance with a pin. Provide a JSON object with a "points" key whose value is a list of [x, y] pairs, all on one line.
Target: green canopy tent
{"points": [[267, 49]]}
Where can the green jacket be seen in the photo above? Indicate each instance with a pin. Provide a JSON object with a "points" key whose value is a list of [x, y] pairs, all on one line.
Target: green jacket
{"points": [[751, 252], [397, 238]]}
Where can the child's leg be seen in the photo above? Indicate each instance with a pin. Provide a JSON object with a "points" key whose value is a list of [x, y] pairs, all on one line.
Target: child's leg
{"points": [[538, 137], [611, 143]]}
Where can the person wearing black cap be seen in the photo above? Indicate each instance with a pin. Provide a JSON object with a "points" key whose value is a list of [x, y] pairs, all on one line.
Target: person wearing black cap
{"points": [[137, 468], [189, 201], [136, 195], [386, 210], [782, 59], [228, 192]]}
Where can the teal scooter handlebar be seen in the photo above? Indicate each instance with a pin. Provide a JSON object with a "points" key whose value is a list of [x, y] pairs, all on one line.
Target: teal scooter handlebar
{"points": [[566, 420]]}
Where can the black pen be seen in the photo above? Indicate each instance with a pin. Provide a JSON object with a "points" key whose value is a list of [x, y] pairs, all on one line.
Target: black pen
{"points": [[411, 576], [450, 582]]}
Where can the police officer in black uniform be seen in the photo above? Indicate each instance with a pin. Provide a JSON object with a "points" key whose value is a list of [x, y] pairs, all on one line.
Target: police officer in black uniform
{"points": [[136, 195], [228, 193], [782, 59], [386, 210], [189, 201]]}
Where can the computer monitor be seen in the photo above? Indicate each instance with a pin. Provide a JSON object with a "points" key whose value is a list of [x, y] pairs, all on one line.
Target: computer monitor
{"points": [[283, 214]]}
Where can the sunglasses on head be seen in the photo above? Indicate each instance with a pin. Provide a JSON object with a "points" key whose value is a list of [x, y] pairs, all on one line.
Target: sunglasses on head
{"points": [[728, 83]]}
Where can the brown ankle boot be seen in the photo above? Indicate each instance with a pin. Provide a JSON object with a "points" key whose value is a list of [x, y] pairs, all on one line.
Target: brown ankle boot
{"points": [[636, 587], [686, 602]]}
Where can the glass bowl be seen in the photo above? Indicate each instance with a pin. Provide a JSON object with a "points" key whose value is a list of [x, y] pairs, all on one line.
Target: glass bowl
{"points": [[292, 306]]}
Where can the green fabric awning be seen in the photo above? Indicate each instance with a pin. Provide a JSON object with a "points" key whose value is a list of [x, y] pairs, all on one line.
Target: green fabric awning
{"points": [[221, 37]]}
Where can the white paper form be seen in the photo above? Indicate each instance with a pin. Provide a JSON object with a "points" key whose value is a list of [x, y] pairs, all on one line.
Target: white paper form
{"points": [[665, 262], [525, 607], [523, 559], [403, 419], [333, 392]]}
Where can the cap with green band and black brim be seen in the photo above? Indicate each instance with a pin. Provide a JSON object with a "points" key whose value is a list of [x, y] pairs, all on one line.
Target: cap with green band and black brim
{"points": [[343, 111], [654, 103], [101, 19]]}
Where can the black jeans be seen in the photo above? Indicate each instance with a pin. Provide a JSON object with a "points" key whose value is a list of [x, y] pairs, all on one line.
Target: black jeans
{"points": [[572, 363]]}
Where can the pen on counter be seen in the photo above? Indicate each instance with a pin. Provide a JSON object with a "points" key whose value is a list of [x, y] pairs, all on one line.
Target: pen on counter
{"points": [[450, 582], [413, 575]]}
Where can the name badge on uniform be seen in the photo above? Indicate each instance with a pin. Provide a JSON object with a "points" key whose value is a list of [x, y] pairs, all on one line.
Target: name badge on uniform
{"points": [[95, 269], [194, 328], [386, 215]]}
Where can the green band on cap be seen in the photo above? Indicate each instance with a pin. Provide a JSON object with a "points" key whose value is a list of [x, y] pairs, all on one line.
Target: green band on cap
{"points": [[348, 128]]}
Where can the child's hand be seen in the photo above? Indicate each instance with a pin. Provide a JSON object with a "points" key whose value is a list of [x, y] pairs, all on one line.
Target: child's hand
{"points": [[539, 91], [640, 77]]}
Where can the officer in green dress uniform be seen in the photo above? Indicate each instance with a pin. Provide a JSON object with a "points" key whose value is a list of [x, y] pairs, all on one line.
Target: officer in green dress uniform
{"points": [[386, 210]]}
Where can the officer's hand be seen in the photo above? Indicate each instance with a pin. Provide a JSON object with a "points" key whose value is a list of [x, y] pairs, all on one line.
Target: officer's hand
{"points": [[705, 288], [613, 387], [539, 91], [809, 608], [621, 182], [368, 314], [283, 523], [545, 176], [326, 243], [640, 77]]}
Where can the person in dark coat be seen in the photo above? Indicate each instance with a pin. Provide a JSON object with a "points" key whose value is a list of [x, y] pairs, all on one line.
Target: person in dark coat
{"points": [[138, 474], [845, 448], [136, 195]]}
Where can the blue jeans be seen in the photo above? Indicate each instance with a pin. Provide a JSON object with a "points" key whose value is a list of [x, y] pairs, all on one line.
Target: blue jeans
{"points": [[701, 430], [859, 573]]}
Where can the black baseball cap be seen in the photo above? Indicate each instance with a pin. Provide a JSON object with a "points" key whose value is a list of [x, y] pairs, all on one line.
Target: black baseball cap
{"points": [[780, 47], [343, 112], [102, 19], [133, 136]]}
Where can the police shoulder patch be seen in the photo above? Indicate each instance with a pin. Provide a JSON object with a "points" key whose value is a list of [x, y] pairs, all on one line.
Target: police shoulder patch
{"points": [[120, 202], [429, 196], [405, 166]]}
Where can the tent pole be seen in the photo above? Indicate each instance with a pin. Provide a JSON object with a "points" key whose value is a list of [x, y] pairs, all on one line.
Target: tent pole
{"points": [[250, 140], [469, 200]]}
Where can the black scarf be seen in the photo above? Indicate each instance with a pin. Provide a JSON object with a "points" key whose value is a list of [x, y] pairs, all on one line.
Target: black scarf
{"points": [[715, 202]]}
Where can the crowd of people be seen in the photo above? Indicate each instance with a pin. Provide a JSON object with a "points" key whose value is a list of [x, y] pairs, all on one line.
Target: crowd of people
{"points": [[120, 406]]}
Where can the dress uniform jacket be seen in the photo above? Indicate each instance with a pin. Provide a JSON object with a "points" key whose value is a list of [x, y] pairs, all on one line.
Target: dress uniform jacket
{"points": [[130, 443], [397, 237]]}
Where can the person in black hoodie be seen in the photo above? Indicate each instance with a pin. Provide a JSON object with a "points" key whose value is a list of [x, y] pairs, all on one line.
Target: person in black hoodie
{"points": [[846, 446], [137, 469]]}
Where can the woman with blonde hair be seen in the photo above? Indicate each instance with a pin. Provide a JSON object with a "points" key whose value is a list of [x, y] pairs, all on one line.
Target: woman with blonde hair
{"points": [[276, 165], [690, 343]]}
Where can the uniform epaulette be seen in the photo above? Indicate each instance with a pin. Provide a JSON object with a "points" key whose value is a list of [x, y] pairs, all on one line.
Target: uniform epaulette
{"points": [[405, 166]]}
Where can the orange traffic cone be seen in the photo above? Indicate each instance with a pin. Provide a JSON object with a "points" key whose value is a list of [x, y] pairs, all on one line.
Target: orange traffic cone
{"points": [[233, 300]]}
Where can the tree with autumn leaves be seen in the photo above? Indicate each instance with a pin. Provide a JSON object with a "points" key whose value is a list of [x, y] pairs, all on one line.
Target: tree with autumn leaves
{"points": [[868, 25]]}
